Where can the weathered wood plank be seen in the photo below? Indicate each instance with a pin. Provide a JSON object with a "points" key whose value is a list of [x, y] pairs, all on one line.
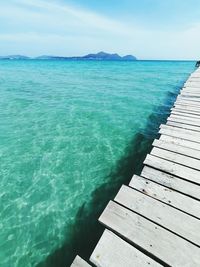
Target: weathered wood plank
{"points": [[187, 94], [112, 251], [166, 195], [161, 243], [78, 262], [187, 116], [170, 167], [171, 181], [183, 125], [195, 125], [187, 121], [195, 120], [180, 142], [171, 146], [170, 218], [187, 107], [184, 114], [178, 132], [190, 91], [187, 102], [187, 98], [185, 111], [177, 158], [192, 84]]}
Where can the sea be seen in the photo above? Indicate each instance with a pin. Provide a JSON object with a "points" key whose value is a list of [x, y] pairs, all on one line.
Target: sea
{"points": [[71, 133]]}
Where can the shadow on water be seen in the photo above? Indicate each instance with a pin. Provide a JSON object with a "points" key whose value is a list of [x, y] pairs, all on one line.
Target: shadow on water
{"points": [[86, 230]]}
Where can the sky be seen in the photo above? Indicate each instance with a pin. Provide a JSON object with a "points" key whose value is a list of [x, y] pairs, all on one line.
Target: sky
{"points": [[148, 29]]}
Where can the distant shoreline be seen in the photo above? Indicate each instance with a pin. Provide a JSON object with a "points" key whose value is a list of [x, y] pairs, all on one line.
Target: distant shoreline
{"points": [[97, 60], [98, 56]]}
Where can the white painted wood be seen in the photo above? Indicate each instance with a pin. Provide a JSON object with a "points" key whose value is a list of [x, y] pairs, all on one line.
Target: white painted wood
{"points": [[183, 125], [193, 76], [175, 220], [190, 100], [184, 114], [192, 87], [180, 142], [181, 119], [187, 102], [112, 251], [170, 167], [181, 133], [78, 262], [187, 94], [190, 91], [192, 84], [187, 98], [171, 181], [171, 146], [161, 243], [185, 111], [166, 195], [187, 107], [188, 117]]}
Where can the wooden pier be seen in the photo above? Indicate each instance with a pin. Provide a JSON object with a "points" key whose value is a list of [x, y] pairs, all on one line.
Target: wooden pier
{"points": [[155, 221]]}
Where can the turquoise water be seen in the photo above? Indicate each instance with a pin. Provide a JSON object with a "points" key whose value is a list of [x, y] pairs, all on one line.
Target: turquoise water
{"points": [[64, 126]]}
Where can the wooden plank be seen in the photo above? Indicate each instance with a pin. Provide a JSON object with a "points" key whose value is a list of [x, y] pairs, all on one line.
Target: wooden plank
{"points": [[183, 125], [170, 167], [185, 114], [189, 94], [152, 238], [168, 217], [187, 102], [78, 262], [187, 98], [180, 142], [191, 101], [193, 105], [188, 117], [112, 251], [181, 119], [181, 133], [193, 75], [185, 111], [192, 84], [171, 181], [190, 91], [187, 107], [171, 146], [166, 195]]}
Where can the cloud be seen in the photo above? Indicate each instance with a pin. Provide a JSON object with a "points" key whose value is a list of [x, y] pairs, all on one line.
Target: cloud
{"points": [[51, 27], [39, 12]]}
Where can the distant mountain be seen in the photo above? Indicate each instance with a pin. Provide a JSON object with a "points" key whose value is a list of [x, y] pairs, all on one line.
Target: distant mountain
{"points": [[98, 56], [14, 57], [129, 57], [103, 56], [44, 57], [107, 56]]}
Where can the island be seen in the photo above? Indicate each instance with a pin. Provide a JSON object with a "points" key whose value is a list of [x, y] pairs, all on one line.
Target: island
{"points": [[98, 56]]}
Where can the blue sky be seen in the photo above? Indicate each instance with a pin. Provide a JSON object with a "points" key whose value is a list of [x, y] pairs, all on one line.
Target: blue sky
{"points": [[149, 29]]}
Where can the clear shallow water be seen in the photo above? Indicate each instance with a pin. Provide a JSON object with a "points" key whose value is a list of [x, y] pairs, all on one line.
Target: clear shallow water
{"points": [[64, 126]]}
